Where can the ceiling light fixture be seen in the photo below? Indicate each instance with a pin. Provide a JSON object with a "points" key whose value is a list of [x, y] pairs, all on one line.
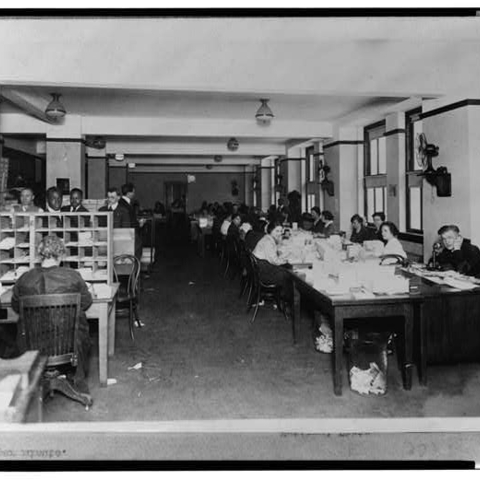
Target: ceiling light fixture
{"points": [[264, 113], [232, 144], [217, 158], [55, 108]]}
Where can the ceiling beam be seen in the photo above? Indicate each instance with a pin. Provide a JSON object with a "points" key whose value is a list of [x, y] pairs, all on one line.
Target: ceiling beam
{"points": [[178, 161], [207, 147], [203, 127], [139, 168], [29, 101]]}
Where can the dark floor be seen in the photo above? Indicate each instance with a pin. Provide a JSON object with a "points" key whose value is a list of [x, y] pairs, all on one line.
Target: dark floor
{"points": [[203, 359]]}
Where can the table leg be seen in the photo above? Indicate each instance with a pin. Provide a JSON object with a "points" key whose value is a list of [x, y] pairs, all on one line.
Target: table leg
{"points": [[103, 344], [39, 401], [111, 327], [337, 352], [296, 317], [408, 347], [422, 370]]}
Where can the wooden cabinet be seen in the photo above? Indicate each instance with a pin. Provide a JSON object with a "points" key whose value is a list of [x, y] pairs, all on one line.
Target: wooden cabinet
{"points": [[87, 237]]}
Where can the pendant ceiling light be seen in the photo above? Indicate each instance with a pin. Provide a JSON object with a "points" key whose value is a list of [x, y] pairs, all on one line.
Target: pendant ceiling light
{"points": [[264, 114], [55, 108]]}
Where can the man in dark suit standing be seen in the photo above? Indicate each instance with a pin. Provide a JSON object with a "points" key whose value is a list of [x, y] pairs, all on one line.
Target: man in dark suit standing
{"points": [[128, 194], [121, 215]]}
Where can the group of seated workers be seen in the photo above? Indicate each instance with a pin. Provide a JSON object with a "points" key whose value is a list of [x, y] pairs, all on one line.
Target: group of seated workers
{"points": [[322, 222], [382, 230]]}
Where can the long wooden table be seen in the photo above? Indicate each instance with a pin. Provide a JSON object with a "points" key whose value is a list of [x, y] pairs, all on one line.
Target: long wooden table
{"points": [[101, 308], [338, 308], [446, 320]]}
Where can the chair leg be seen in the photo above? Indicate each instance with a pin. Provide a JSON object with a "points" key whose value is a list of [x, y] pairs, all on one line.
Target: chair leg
{"points": [[249, 298], [63, 386], [135, 313], [243, 286], [130, 319], [226, 268], [257, 305]]}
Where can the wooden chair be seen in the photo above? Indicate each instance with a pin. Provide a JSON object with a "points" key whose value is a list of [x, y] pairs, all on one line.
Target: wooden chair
{"points": [[262, 291], [126, 271], [49, 323], [232, 255]]}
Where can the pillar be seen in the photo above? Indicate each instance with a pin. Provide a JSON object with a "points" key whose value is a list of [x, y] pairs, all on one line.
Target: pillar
{"points": [[342, 156], [293, 170], [66, 153], [97, 174], [265, 184]]}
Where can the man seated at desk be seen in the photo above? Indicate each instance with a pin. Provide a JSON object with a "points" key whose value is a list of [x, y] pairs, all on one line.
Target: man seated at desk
{"points": [[51, 278], [457, 253]]}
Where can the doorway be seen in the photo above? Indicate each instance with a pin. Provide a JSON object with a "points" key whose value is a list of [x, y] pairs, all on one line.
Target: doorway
{"points": [[176, 202], [176, 195]]}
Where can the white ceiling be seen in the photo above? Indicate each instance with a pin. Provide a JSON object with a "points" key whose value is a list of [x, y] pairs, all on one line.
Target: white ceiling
{"points": [[131, 78]]}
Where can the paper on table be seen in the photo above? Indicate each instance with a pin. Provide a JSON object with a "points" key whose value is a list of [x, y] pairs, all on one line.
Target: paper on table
{"points": [[461, 285], [363, 295]]}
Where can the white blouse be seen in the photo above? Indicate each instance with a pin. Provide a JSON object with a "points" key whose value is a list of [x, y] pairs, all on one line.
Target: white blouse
{"points": [[266, 249], [394, 247]]}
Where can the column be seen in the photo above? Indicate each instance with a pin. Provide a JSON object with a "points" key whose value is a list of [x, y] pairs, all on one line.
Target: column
{"points": [[342, 156], [97, 173], [265, 184], [66, 153], [293, 170]]}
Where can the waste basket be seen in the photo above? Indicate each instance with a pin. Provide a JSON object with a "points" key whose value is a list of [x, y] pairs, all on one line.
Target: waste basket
{"points": [[368, 363]]}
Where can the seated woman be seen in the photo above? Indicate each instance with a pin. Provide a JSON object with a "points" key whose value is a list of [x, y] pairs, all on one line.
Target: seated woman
{"points": [[328, 226], [226, 225], [359, 232], [393, 246], [234, 228], [50, 278], [270, 264], [255, 235], [318, 223]]}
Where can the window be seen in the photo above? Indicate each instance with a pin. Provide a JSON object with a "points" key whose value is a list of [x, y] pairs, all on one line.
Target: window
{"points": [[375, 175], [414, 182], [310, 177]]}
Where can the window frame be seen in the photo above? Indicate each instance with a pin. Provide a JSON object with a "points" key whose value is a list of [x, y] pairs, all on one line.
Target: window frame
{"points": [[310, 176], [371, 132], [412, 179]]}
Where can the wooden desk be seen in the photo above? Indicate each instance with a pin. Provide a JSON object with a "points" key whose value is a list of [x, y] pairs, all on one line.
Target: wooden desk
{"points": [[341, 307], [449, 332], [101, 308]]}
